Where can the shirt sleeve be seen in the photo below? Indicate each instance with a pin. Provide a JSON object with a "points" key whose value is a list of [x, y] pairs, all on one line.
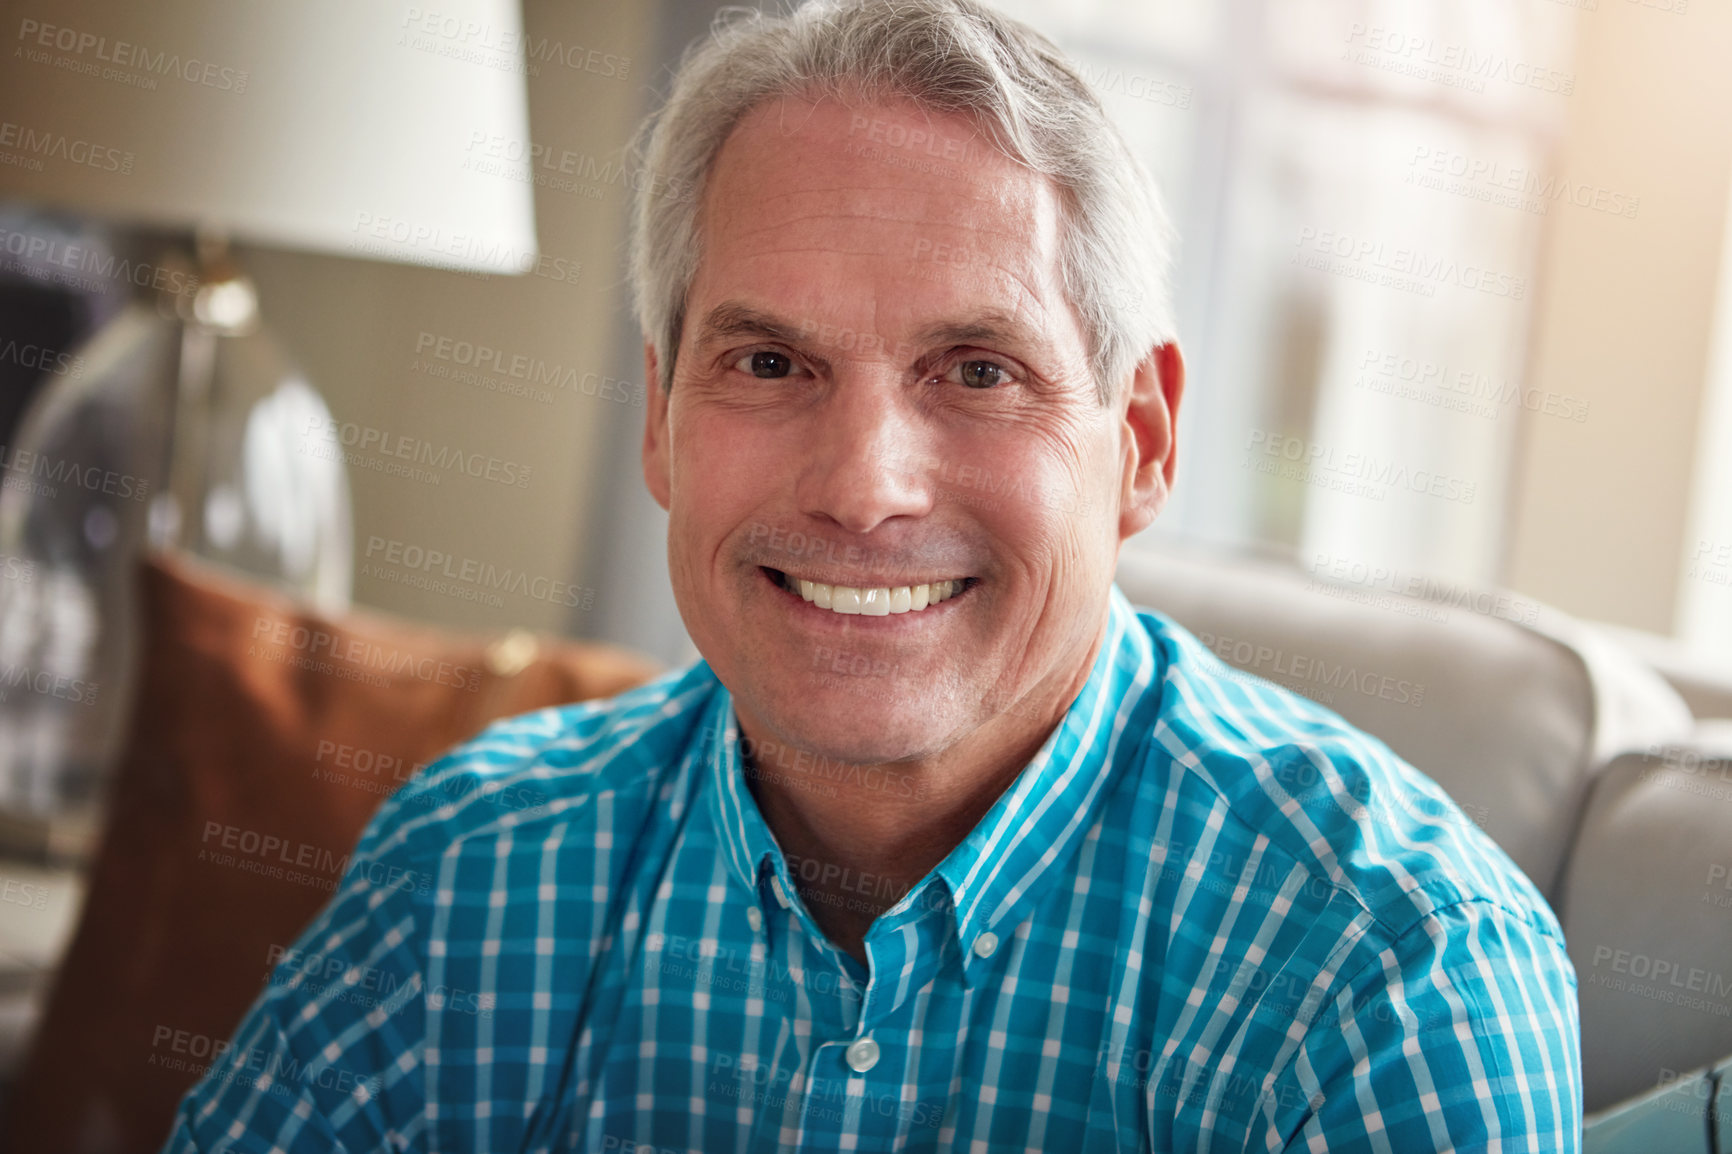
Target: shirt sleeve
{"points": [[1463, 1034], [330, 1052]]}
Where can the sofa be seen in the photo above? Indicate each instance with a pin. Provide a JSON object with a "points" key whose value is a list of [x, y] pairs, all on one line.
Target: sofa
{"points": [[1605, 775]]}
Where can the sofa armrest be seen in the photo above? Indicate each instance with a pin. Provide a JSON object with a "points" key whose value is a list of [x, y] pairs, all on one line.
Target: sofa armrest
{"points": [[1646, 905]]}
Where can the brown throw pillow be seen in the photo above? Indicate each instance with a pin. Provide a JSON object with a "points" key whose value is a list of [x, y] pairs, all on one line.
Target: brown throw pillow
{"points": [[263, 736]]}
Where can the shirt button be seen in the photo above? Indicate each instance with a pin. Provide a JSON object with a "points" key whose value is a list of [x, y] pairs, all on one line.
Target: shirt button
{"points": [[985, 944], [862, 1055], [756, 917], [781, 894]]}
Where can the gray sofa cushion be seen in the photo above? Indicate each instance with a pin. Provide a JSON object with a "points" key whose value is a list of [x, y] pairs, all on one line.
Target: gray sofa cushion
{"points": [[1511, 719], [1646, 905]]}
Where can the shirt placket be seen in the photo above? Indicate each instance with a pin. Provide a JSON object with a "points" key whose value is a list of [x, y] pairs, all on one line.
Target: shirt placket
{"points": [[847, 1065], [859, 1077], [818, 1001]]}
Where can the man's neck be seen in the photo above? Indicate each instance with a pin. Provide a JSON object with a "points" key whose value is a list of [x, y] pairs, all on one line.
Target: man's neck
{"points": [[855, 852], [856, 843]]}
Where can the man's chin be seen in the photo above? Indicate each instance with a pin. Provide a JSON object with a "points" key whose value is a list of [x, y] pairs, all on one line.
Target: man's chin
{"points": [[847, 725]]}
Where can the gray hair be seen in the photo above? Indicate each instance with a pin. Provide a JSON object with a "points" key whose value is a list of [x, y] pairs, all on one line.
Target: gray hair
{"points": [[954, 56]]}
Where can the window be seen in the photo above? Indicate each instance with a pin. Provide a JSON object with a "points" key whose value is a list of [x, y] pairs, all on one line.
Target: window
{"points": [[1359, 191]]}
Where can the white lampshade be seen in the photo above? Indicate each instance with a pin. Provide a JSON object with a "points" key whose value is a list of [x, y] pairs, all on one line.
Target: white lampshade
{"points": [[345, 126]]}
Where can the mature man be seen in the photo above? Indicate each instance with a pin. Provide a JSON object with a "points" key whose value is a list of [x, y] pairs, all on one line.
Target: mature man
{"points": [[942, 846]]}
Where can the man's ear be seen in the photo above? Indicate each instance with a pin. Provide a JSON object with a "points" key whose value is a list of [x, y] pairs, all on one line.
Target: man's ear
{"points": [[655, 430], [1151, 420]]}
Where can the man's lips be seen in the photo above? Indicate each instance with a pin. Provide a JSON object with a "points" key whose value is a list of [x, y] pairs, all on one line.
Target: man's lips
{"points": [[870, 600]]}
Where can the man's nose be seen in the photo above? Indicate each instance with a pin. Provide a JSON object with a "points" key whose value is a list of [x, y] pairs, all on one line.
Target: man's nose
{"points": [[861, 456]]}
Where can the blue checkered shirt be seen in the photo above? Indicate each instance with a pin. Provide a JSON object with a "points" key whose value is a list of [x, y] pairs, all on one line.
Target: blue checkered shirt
{"points": [[1208, 915]]}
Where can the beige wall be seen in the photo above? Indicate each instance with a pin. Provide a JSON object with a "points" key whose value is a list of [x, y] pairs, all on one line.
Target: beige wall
{"points": [[1625, 319], [354, 327]]}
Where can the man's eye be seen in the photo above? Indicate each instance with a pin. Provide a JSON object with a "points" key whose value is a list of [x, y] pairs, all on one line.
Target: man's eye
{"points": [[766, 364], [981, 374]]}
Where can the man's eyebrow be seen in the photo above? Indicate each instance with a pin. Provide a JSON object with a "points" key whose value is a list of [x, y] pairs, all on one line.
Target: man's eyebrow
{"points": [[733, 319], [992, 327]]}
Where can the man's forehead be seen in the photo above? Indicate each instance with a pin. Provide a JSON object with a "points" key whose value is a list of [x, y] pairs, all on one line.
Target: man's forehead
{"points": [[814, 232], [799, 170]]}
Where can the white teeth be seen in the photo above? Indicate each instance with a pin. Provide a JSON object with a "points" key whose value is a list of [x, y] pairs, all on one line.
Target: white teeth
{"points": [[877, 600]]}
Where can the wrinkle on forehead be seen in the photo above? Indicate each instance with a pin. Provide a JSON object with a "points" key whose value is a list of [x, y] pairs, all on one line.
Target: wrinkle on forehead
{"points": [[841, 183], [794, 203]]}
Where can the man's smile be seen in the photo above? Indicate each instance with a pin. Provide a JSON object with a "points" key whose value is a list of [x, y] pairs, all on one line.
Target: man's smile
{"points": [[869, 600]]}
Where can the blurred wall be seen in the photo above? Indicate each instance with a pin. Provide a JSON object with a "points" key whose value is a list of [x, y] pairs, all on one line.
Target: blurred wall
{"points": [[627, 565], [1626, 316]]}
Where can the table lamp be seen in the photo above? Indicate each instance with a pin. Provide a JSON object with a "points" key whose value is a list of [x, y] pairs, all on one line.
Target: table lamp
{"points": [[320, 125]]}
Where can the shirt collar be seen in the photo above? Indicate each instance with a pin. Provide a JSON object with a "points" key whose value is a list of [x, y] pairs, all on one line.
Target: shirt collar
{"points": [[746, 838], [1003, 869], [1008, 862]]}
